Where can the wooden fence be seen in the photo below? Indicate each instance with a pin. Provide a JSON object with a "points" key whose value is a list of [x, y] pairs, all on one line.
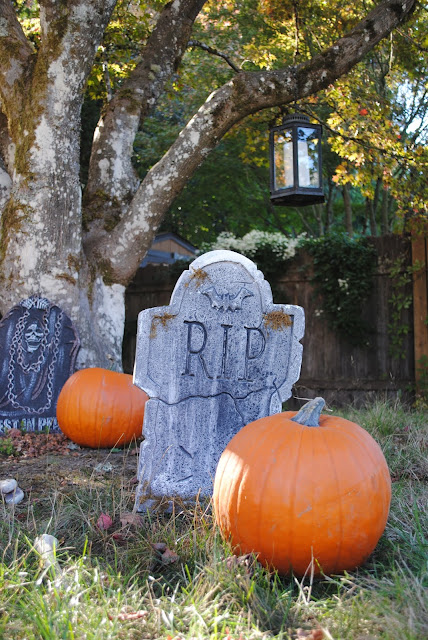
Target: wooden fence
{"points": [[420, 308], [331, 367]]}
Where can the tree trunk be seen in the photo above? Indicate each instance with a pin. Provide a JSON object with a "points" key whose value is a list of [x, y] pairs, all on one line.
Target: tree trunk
{"points": [[376, 195], [318, 211], [329, 206], [371, 208], [385, 211], [348, 208]]}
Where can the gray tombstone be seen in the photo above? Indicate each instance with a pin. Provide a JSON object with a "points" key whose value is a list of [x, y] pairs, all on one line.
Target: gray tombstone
{"points": [[38, 349], [218, 357]]}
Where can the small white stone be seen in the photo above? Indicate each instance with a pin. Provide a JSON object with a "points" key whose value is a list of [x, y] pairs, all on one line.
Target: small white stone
{"points": [[8, 485], [46, 545], [14, 497]]}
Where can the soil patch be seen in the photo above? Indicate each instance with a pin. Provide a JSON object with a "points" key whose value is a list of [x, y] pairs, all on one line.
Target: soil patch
{"points": [[40, 461]]}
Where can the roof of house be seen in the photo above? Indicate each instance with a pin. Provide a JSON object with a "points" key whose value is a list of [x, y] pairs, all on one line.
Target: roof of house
{"points": [[155, 256]]}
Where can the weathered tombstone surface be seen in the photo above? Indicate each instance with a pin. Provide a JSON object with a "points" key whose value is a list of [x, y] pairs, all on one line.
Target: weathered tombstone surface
{"points": [[218, 357], [38, 349]]}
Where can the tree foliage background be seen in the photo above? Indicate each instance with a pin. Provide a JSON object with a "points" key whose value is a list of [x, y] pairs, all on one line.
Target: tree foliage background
{"points": [[375, 123]]}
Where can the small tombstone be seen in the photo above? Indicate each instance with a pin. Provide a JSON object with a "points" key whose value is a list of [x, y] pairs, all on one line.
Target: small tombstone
{"points": [[38, 349], [218, 357]]}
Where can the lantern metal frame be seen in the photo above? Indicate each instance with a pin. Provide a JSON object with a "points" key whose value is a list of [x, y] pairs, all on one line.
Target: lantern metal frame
{"points": [[295, 195]]}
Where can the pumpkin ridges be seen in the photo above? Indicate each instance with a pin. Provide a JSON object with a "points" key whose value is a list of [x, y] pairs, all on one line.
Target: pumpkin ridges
{"points": [[375, 460], [256, 509], [331, 564], [387, 498], [361, 530], [311, 435], [359, 482], [306, 536], [135, 410], [313, 490], [68, 397], [231, 486], [299, 431], [338, 493], [93, 408], [248, 456], [240, 484], [97, 411], [244, 463], [347, 507], [360, 435], [116, 410], [265, 482], [380, 473]]}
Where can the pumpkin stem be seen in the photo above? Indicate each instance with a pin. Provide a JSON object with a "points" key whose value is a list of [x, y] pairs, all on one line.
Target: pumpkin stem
{"points": [[309, 414]]}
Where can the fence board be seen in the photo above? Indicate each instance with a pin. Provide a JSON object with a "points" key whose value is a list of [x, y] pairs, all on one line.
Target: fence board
{"points": [[420, 306]]}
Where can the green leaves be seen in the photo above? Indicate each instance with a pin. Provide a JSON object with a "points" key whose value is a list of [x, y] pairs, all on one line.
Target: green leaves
{"points": [[122, 44], [343, 276]]}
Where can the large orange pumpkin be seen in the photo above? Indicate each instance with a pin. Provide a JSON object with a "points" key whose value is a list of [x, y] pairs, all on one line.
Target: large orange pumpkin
{"points": [[293, 493], [101, 408]]}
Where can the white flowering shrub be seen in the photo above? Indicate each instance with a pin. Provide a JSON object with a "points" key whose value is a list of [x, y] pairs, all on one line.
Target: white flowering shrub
{"points": [[267, 249]]}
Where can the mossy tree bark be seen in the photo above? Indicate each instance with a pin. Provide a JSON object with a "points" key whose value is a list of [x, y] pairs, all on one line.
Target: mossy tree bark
{"points": [[81, 253]]}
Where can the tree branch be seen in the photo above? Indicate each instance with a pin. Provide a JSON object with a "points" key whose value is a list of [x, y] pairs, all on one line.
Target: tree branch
{"points": [[214, 52], [412, 41], [5, 186], [364, 144], [15, 54], [71, 31], [5, 167], [110, 165], [5, 143], [246, 93]]}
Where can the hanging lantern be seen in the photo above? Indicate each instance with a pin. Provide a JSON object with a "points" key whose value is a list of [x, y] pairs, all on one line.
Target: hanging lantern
{"points": [[295, 162]]}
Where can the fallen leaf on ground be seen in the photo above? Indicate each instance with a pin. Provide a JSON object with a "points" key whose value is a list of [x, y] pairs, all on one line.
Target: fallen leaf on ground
{"points": [[132, 519], [118, 537], [104, 521], [248, 562], [134, 615], [14, 433], [34, 444], [314, 634], [168, 557]]}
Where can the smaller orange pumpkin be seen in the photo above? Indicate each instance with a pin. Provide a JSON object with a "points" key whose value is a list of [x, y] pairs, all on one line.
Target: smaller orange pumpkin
{"points": [[101, 408]]}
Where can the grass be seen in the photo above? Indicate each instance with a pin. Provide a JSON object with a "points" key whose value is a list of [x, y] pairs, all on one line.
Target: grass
{"points": [[113, 584]]}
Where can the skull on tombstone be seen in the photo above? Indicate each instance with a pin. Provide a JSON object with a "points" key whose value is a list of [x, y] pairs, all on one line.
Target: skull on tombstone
{"points": [[33, 336]]}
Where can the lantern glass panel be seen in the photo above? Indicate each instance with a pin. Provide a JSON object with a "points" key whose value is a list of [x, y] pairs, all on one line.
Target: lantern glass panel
{"points": [[283, 151], [308, 160]]}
